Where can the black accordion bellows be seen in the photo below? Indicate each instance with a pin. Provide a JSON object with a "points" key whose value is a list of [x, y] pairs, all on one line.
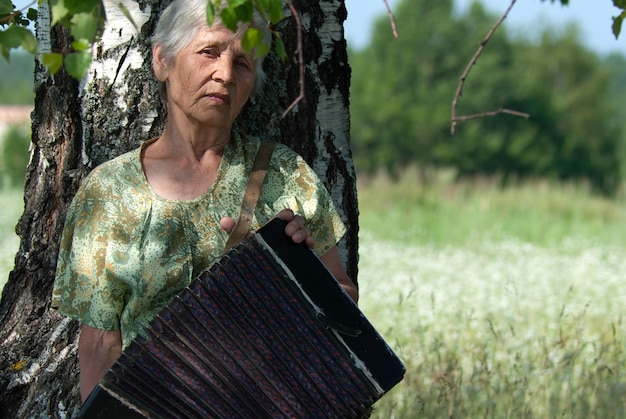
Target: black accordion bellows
{"points": [[265, 333]]}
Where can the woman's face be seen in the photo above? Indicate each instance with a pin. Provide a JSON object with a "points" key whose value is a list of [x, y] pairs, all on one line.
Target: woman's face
{"points": [[210, 79]]}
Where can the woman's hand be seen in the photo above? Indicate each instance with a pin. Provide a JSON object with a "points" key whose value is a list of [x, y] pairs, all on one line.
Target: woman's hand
{"points": [[295, 228], [300, 233]]}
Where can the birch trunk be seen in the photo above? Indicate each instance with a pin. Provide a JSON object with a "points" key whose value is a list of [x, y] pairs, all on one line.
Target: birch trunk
{"points": [[78, 125]]}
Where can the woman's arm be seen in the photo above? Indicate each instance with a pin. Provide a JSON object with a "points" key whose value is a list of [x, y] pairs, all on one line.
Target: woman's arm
{"points": [[97, 352], [299, 232], [332, 260]]}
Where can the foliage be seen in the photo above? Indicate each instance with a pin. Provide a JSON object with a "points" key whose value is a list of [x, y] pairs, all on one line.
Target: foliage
{"points": [[85, 20], [572, 132], [13, 205], [15, 155], [16, 83], [15, 31], [435, 208]]}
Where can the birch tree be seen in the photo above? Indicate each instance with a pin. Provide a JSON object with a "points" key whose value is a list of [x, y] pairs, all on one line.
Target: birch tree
{"points": [[79, 124]]}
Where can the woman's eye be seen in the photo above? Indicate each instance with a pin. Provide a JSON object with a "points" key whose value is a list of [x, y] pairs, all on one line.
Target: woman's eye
{"points": [[244, 63], [210, 52]]}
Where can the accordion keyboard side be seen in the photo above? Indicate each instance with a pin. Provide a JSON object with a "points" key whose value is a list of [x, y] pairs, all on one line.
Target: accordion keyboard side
{"points": [[266, 332], [338, 308]]}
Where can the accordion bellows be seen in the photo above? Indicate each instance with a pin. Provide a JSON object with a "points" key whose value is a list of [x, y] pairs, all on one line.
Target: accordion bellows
{"points": [[266, 333]]}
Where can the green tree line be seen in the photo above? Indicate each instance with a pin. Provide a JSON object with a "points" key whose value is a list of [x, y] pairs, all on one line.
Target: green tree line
{"points": [[402, 92], [16, 80]]}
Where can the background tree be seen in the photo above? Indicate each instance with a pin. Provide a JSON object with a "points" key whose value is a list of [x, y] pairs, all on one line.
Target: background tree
{"points": [[14, 156], [16, 83], [77, 125], [402, 93]]}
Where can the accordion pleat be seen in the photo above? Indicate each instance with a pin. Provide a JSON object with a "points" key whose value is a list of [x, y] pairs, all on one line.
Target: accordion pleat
{"points": [[241, 341]]}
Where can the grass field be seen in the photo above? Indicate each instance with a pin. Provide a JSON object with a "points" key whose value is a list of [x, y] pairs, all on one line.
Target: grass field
{"points": [[502, 303]]}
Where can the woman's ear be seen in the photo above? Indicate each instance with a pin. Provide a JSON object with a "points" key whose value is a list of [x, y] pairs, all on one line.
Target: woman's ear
{"points": [[159, 64]]}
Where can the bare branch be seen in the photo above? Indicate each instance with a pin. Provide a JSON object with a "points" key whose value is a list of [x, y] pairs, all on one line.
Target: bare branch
{"points": [[392, 20], [470, 65], [296, 16], [492, 113]]}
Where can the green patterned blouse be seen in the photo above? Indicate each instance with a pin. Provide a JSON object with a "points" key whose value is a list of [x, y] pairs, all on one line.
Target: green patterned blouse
{"points": [[126, 251]]}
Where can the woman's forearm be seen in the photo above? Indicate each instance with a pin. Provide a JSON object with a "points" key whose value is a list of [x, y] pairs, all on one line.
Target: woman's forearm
{"points": [[332, 261], [97, 352]]}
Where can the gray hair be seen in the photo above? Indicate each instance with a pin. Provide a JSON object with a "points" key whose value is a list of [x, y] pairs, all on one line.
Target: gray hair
{"points": [[181, 21]]}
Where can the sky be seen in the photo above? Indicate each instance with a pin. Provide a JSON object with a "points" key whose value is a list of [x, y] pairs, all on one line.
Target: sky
{"points": [[593, 17]]}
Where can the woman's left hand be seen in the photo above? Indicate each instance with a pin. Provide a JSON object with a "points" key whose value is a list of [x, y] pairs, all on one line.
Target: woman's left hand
{"points": [[296, 228], [299, 232]]}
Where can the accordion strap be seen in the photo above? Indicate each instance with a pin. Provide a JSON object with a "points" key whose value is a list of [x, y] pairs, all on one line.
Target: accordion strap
{"points": [[253, 191]]}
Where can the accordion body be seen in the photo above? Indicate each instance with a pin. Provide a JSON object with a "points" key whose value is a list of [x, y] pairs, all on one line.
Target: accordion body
{"points": [[267, 332]]}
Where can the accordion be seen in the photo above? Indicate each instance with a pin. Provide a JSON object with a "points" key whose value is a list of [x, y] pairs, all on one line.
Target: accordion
{"points": [[267, 332]]}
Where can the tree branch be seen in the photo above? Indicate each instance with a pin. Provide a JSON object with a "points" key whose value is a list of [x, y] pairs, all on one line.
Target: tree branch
{"points": [[392, 20], [468, 69], [492, 113]]}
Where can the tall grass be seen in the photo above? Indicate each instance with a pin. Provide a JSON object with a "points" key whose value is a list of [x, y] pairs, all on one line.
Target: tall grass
{"points": [[501, 303]]}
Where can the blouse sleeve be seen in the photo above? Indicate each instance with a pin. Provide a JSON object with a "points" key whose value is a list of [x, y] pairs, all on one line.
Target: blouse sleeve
{"points": [[83, 288], [292, 183]]}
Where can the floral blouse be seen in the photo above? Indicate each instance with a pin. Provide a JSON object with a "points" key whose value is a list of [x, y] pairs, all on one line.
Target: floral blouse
{"points": [[126, 251]]}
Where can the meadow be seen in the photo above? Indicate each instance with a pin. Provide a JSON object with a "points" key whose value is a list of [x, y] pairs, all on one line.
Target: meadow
{"points": [[501, 302]]}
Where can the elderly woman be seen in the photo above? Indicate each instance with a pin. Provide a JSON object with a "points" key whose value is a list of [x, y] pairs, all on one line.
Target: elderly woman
{"points": [[146, 223]]}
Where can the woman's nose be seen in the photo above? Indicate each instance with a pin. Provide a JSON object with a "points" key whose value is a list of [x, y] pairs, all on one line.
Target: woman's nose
{"points": [[223, 69]]}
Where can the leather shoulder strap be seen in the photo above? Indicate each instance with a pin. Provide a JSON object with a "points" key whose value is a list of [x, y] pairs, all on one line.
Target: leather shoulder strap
{"points": [[253, 191]]}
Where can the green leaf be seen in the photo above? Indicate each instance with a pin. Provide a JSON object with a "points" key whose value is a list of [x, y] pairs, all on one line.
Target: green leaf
{"points": [[280, 48], [237, 11], [617, 24], [210, 13], [59, 11], [31, 14], [15, 36], [81, 45], [245, 12], [85, 26], [82, 6], [52, 61], [229, 18], [238, 3], [276, 11], [29, 42], [6, 7], [5, 52], [253, 40], [77, 64]]}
